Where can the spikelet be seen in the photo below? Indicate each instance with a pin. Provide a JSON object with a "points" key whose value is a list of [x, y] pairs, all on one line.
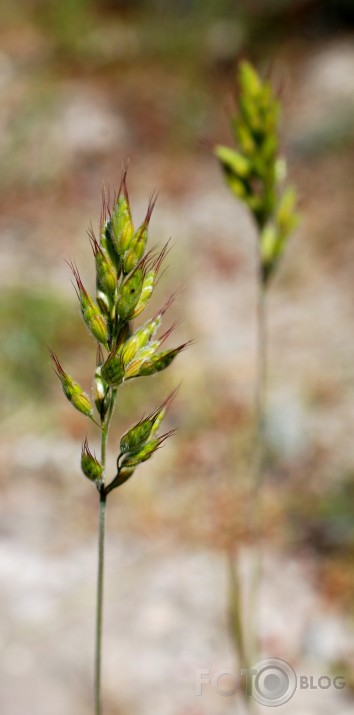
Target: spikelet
{"points": [[90, 466], [72, 389], [90, 311]]}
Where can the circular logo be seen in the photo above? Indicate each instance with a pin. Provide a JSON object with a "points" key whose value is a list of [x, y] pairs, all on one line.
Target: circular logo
{"points": [[274, 682]]}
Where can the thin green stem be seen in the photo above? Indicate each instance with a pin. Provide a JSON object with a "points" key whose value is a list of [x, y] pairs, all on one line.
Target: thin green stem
{"points": [[94, 421], [235, 609], [100, 572], [260, 392], [105, 427], [244, 636], [99, 605], [237, 627], [259, 462]]}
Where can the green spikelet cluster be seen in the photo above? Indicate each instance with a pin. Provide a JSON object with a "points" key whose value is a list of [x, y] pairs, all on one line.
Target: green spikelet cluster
{"points": [[140, 442], [255, 172], [126, 276]]}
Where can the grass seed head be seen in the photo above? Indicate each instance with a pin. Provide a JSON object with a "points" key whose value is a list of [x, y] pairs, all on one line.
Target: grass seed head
{"points": [[125, 279], [255, 173]]}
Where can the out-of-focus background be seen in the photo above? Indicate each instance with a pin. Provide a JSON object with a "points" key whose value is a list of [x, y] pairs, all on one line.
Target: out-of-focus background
{"points": [[86, 85]]}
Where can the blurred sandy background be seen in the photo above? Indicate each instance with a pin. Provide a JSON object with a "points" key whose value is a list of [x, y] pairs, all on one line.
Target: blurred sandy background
{"points": [[86, 85]]}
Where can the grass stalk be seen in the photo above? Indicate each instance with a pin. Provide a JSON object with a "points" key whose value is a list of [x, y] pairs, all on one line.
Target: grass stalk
{"points": [[126, 276], [99, 603], [235, 608], [255, 173], [259, 463], [260, 395], [101, 550]]}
